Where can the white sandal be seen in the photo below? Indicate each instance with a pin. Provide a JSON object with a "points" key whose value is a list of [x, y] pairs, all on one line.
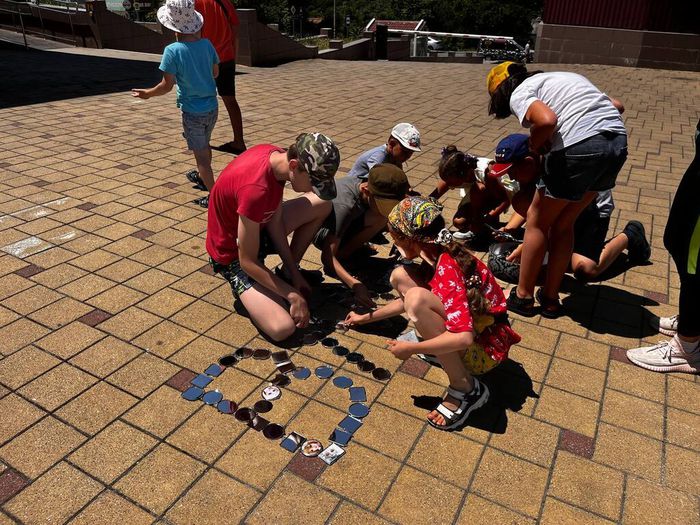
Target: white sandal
{"points": [[468, 402]]}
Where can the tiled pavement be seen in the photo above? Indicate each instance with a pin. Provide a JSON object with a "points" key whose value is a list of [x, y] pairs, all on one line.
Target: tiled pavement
{"points": [[107, 309]]}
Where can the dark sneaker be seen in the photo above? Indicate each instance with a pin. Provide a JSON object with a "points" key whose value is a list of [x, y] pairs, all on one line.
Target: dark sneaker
{"points": [[638, 247], [202, 201]]}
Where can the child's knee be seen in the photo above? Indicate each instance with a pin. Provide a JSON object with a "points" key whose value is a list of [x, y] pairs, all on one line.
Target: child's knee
{"points": [[415, 300], [398, 277], [459, 221], [281, 330], [586, 271]]}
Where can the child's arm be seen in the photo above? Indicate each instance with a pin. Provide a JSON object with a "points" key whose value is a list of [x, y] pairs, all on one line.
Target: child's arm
{"points": [[164, 86], [439, 190], [215, 71], [618, 105], [391, 309], [328, 256], [496, 189]]}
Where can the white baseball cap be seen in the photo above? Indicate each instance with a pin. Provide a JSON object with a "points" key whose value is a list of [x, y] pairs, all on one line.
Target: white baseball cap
{"points": [[407, 135]]}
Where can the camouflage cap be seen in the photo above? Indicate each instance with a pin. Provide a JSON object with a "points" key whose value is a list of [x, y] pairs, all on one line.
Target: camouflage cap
{"points": [[319, 157]]}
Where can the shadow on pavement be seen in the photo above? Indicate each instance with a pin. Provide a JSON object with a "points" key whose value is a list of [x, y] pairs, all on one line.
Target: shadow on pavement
{"points": [[34, 76]]}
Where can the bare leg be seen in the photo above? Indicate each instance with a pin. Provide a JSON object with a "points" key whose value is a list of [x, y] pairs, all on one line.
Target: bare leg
{"points": [[561, 244], [540, 216], [203, 158], [585, 268], [427, 313], [268, 312], [403, 278], [304, 216], [234, 113]]}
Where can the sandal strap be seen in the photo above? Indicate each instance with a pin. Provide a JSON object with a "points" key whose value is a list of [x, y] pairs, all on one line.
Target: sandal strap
{"points": [[445, 412], [457, 394]]}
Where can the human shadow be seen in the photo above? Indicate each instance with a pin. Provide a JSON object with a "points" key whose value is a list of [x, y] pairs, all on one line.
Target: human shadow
{"points": [[605, 309], [509, 386]]}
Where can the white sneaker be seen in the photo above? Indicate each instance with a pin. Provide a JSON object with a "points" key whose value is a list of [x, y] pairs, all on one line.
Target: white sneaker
{"points": [[666, 356], [667, 325], [464, 236]]}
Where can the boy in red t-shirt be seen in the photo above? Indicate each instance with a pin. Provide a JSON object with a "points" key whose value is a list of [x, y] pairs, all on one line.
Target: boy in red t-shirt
{"points": [[246, 199], [221, 28]]}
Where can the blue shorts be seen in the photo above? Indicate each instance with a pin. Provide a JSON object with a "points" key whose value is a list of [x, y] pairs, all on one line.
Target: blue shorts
{"points": [[197, 128], [590, 165]]}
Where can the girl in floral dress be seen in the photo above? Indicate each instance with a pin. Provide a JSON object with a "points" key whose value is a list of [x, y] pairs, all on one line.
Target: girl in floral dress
{"points": [[455, 304]]}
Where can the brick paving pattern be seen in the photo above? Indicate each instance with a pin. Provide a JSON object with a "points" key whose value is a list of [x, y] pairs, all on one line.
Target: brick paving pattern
{"points": [[107, 311]]}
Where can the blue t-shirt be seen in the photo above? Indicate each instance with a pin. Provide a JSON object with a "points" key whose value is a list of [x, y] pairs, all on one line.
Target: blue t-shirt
{"points": [[367, 161], [192, 64]]}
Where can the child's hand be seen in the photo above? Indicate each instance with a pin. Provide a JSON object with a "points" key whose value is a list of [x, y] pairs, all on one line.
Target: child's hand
{"points": [[353, 319], [140, 93], [362, 296], [402, 349]]}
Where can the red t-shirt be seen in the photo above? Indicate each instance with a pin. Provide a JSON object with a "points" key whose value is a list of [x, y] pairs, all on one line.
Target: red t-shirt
{"points": [[448, 284], [220, 26], [247, 187]]}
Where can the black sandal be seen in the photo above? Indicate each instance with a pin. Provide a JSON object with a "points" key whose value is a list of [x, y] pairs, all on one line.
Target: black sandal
{"points": [[519, 305], [551, 308], [202, 201]]}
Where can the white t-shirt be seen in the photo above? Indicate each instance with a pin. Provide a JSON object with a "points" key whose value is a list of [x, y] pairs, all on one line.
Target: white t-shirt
{"points": [[582, 110]]}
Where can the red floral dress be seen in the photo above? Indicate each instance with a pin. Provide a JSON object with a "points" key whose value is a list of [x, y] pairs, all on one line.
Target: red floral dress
{"points": [[493, 337]]}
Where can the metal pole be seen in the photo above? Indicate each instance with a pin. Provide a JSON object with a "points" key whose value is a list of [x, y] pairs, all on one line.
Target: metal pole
{"points": [[21, 22], [334, 19]]}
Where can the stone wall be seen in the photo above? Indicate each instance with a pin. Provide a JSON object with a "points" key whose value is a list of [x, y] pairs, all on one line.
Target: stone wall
{"points": [[260, 45], [561, 44]]}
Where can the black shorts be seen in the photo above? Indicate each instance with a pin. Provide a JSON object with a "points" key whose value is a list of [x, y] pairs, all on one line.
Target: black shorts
{"points": [[590, 232], [226, 81]]}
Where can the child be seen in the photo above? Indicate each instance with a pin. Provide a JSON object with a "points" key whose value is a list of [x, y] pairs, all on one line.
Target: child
{"points": [[484, 197], [192, 63], [246, 199], [580, 132], [403, 141], [455, 303], [358, 213]]}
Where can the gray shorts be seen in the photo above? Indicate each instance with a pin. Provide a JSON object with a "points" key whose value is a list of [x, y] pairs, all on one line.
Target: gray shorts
{"points": [[590, 165], [197, 128]]}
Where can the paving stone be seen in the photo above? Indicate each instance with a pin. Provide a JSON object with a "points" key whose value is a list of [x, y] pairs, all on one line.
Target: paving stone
{"points": [[24, 365], [556, 512], [647, 502], [627, 451], [70, 339], [105, 356], [214, 499], [109, 507], [571, 482], [160, 478], [478, 509], [57, 386], [142, 375], [11, 483], [95, 408], [161, 412], [512, 482], [16, 414], [408, 494], [55, 496], [38, 448], [208, 433], [568, 410], [111, 452], [292, 500]]}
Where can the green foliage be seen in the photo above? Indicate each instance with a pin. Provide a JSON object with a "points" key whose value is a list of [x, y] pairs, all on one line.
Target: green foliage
{"points": [[493, 17]]}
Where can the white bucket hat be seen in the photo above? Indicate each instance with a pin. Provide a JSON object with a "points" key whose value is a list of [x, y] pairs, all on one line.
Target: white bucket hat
{"points": [[180, 16], [407, 135]]}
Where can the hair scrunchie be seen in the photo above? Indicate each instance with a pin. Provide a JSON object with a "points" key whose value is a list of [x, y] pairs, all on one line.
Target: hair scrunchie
{"points": [[474, 281], [444, 237]]}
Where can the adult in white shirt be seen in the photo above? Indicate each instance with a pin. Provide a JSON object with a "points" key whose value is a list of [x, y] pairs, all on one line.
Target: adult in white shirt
{"points": [[580, 131]]}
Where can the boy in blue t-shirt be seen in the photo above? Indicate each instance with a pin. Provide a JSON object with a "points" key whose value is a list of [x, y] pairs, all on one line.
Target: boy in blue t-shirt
{"points": [[192, 64]]}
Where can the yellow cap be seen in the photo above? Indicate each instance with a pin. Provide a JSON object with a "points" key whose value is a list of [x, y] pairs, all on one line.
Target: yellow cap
{"points": [[497, 75]]}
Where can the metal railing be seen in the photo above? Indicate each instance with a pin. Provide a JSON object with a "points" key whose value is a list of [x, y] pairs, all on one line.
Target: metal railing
{"points": [[34, 9]]}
